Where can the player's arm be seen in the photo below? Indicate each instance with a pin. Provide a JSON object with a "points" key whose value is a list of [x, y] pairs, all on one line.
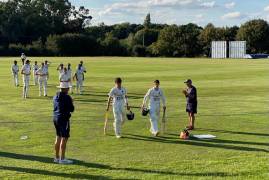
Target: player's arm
{"points": [[126, 102], [146, 97]]}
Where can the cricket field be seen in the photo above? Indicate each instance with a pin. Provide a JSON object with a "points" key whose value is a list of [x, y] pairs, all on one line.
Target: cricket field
{"points": [[233, 103]]}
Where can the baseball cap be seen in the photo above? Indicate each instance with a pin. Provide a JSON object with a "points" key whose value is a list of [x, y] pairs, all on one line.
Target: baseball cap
{"points": [[188, 81]]}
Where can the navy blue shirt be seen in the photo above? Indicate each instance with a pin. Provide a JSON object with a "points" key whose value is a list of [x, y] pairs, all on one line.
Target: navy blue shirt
{"points": [[192, 95], [63, 106]]}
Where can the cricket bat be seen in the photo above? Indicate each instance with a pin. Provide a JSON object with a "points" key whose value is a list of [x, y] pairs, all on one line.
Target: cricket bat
{"points": [[163, 122], [106, 122]]}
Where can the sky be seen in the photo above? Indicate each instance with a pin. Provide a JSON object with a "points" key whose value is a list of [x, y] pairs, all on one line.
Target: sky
{"points": [[201, 12]]}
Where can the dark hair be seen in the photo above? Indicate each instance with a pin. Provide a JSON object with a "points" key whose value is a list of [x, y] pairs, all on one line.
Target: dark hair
{"points": [[118, 80], [157, 81], [15, 61]]}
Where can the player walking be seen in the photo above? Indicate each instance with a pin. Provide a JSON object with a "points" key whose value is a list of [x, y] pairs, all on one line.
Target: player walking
{"points": [[42, 74], [69, 72], [35, 77], [119, 96], [79, 78], [15, 73], [26, 72], [65, 78], [60, 69], [23, 58], [155, 96]]}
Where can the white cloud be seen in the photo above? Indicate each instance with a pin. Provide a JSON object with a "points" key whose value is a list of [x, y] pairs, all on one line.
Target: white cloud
{"points": [[208, 4], [266, 9], [230, 5], [143, 5], [232, 15]]}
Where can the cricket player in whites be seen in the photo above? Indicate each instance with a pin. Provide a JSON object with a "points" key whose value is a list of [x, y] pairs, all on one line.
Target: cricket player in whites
{"points": [[26, 72], [69, 72], [42, 74], [119, 96], [35, 77], [155, 96], [15, 72], [79, 78]]}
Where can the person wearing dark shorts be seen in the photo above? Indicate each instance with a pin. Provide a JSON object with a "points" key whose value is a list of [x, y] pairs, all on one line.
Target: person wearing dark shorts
{"points": [[63, 106], [191, 107]]}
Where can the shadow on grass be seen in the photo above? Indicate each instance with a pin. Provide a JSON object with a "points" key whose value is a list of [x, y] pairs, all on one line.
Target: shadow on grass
{"points": [[235, 114], [233, 132], [51, 173], [94, 165], [193, 143]]}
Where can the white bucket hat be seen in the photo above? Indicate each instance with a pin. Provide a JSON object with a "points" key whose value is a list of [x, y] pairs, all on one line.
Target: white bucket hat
{"points": [[64, 85]]}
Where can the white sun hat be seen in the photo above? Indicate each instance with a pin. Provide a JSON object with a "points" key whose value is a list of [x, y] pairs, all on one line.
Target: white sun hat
{"points": [[64, 85]]}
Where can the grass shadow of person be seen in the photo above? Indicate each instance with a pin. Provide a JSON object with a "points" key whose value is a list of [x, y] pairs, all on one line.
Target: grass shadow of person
{"points": [[91, 165], [193, 143], [52, 173]]}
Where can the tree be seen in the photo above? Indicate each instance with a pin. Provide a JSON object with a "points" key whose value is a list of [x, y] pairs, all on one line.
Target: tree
{"points": [[147, 21], [178, 41], [146, 37], [112, 47], [256, 33]]}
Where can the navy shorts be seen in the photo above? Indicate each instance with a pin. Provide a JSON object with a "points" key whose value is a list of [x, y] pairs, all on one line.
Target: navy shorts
{"points": [[191, 108], [62, 128]]}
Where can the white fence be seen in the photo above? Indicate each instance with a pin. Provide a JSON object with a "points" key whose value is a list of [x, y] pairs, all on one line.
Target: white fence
{"points": [[219, 49]]}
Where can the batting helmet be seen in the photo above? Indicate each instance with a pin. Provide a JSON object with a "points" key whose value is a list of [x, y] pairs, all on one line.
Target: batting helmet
{"points": [[130, 116], [145, 111]]}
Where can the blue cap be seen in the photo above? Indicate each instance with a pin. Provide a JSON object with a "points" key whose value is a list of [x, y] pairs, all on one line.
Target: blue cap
{"points": [[188, 81]]}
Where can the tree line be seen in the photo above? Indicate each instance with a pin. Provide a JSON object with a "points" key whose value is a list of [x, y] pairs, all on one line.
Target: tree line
{"points": [[57, 28]]}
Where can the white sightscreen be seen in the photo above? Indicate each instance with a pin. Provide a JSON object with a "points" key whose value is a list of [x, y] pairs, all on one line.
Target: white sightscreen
{"points": [[219, 49], [237, 49]]}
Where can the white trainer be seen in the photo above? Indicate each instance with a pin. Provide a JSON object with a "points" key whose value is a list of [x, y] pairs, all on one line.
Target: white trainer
{"points": [[65, 161], [55, 160], [118, 136]]}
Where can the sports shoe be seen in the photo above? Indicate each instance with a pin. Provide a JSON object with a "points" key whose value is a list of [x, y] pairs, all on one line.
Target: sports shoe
{"points": [[156, 134], [65, 161], [55, 160], [118, 136]]}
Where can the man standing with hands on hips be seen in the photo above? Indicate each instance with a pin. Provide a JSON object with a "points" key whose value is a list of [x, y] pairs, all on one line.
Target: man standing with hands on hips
{"points": [[63, 107], [191, 108]]}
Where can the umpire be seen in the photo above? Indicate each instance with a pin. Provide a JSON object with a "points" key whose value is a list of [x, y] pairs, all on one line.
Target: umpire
{"points": [[63, 106], [191, 108]]}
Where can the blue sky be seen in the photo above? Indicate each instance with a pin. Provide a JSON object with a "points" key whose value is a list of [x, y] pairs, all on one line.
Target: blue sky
{"points": [[219, 12]]}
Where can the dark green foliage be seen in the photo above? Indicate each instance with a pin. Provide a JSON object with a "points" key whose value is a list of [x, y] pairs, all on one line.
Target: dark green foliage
{"points": [[56, 28]]}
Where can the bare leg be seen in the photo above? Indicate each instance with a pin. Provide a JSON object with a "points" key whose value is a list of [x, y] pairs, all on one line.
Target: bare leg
{"points": [[192, 119], [63, 147], [57, 147]]}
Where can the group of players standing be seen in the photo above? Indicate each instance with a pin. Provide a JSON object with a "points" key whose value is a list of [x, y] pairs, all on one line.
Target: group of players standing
{"points": [[41, 75]]}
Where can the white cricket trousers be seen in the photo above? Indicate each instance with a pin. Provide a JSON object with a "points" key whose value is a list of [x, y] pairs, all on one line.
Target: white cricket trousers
{"points": [[35, 78], [16, 79], [119, 117], [154, 113], [42, 80], [80, 86], [26, 81]]}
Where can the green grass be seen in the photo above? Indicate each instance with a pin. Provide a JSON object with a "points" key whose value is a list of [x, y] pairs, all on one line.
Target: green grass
{"points": [[233, 105]]}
